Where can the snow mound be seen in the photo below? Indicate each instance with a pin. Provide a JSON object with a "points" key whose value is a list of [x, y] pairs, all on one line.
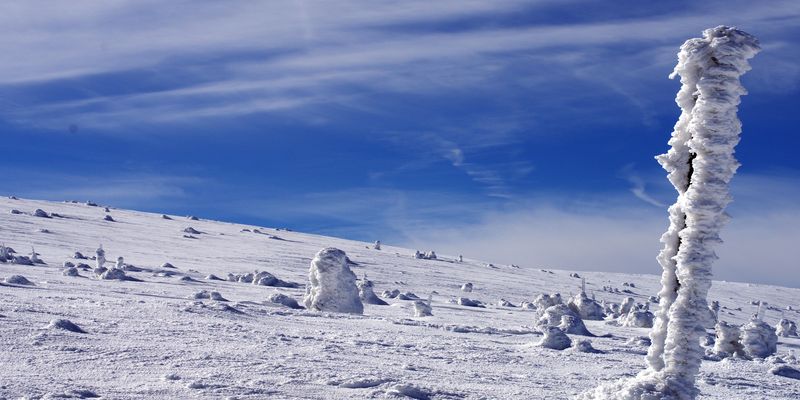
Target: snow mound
{"points": [[638, 319], [114, 274], [727, 340], [586, 308], [543, 301], [467, 287], [332, 285], [422, 309], [191, 231], [18, 280], [210, 295], [390, 294], [65, 324], [71, 271], [212, 277], [463, 301], [41, 213], [409, 390], [554, 338], [280, 298], [367, 294], [584, 346], [786, 328], [785, 371], [759, 339], [573, 325], [264, 278]]}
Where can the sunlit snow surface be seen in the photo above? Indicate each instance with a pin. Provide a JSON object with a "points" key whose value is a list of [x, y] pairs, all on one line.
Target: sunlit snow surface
{"points": [[151, 339]]}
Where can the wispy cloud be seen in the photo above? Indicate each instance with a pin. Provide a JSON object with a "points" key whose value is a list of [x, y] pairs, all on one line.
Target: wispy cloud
{"points": [[261, 57]]}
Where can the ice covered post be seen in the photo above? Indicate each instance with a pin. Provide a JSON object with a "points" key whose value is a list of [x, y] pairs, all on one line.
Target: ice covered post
{"points": [[700, 164]]}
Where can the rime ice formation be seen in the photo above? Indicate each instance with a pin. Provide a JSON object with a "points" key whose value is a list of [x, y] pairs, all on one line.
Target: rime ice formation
{"points": [[423, 308], [586, 308], [728, 341], [555, 339], [759, 339], [786, 328], [367, 294], [700, 164], [100, 256], [638, 319], [332, 285]]}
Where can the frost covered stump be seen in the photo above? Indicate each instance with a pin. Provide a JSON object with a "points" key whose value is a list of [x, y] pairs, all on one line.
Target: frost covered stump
{"points": [[332, 285], [700, 164]]}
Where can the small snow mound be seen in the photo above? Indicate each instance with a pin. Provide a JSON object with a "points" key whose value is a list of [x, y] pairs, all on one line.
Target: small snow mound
{"points": [[786, 328], [463, 301], [505, 303], [212, 277], [108, 218], [65, 324], [727, 340], [167, 265], [71, 271], [422, 309], [642, 341], [280, 298], [759, 339], [41, 213], [785, 371], [586, 308], [114, 274], [191, 231], [467, 287], [407, 296], [584, 346], [574, 325], [366, 293], [171, 377], [409, 390], [210, 295], [332, 285], [18, 280], [638, 319], [554, 338], [390, 294]]}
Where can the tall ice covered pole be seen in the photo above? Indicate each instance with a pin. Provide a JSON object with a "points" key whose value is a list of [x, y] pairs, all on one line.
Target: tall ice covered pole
{"points": [[700, 164]]}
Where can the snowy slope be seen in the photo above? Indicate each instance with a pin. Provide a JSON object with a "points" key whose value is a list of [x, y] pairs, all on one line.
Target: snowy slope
{"points": [[151, 339]]}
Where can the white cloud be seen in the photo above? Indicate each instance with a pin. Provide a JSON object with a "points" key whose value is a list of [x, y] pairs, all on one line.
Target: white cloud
{"points": [[610, 235]]}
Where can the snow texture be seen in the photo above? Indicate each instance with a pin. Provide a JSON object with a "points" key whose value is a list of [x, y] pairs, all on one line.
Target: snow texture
{"points": [[250, 348], [332, 285]]}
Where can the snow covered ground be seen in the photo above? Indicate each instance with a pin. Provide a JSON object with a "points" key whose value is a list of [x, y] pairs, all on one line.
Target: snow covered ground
{"points": [[150, 338]]}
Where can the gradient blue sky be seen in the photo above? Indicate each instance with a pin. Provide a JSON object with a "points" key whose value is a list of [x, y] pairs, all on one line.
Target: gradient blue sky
{"points": [[515, 131]]}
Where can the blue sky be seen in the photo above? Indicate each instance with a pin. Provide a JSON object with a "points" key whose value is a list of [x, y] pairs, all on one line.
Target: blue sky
{"points": [[515, 131]]}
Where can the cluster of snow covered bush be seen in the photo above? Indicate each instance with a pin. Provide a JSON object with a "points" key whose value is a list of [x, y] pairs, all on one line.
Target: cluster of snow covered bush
{"points": [[430, 255], [261, 278], [7, 254]]}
